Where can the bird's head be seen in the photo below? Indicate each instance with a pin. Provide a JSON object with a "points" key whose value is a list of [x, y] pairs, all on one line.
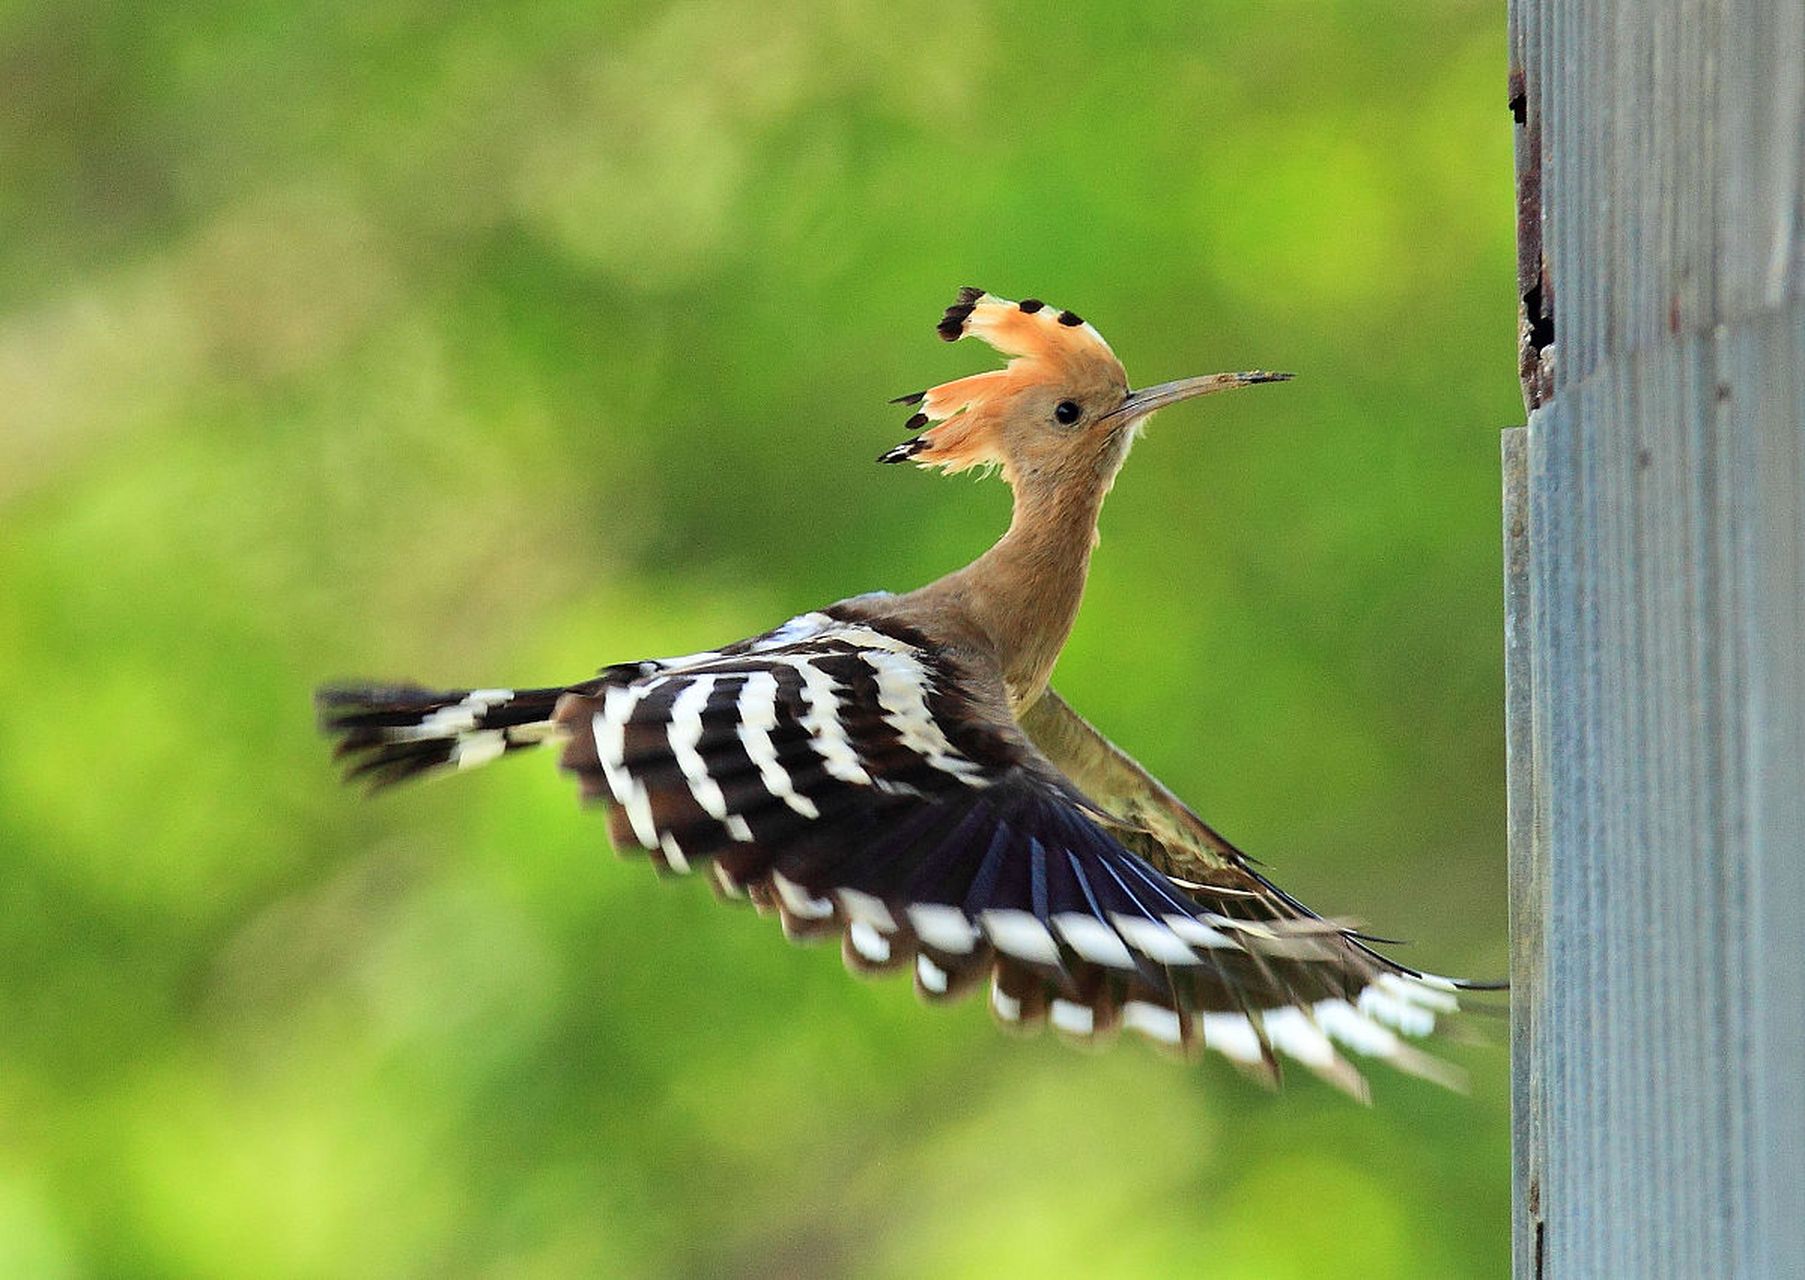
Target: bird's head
{"points": [[1061, 408]]}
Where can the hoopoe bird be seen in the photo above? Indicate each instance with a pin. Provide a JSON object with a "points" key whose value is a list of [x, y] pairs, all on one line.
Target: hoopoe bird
{"points": [[895, 770]]}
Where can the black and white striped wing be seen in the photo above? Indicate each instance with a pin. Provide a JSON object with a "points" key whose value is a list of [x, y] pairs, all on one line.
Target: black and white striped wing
{"points": [[837, 772]]}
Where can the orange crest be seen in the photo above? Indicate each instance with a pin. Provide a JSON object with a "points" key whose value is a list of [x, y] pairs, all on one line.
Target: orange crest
{"points": [[1047, 347]]}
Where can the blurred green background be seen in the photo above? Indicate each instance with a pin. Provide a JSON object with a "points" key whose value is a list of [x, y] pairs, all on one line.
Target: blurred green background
{"points": [[489, 344]]}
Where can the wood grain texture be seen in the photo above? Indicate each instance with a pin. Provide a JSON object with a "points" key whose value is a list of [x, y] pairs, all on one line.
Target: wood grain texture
{"points": [[1528, 881], [1659, 1046]]}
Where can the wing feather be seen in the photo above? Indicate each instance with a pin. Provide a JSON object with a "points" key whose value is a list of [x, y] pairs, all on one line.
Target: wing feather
{"points": [[844, 773]]}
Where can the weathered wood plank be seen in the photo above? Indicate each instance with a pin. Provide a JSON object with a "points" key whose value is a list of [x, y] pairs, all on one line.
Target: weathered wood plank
{"points": [[1528, 882], [1659, 1035]]}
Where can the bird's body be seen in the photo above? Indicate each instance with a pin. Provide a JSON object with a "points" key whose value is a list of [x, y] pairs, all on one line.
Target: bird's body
{"points": [[895, 769]]}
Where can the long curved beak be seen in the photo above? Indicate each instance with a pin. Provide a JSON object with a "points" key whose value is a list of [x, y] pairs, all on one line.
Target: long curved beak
{"points": [[1143, 402]]}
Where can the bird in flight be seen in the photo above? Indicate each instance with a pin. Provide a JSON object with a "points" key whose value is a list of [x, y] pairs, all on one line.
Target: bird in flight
{"points": [[896, 771]]}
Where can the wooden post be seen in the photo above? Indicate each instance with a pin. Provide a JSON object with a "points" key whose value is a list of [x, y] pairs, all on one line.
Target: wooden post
{"points": [[1657, 639]]}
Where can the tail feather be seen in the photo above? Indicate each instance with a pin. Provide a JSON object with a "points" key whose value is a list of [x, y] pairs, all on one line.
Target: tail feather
{"points": [[389, 734]]}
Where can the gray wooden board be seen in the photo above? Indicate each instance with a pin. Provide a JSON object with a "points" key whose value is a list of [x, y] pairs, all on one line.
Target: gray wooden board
{"points": [[1658, 792], [1661, 1089], [1527, 883]]}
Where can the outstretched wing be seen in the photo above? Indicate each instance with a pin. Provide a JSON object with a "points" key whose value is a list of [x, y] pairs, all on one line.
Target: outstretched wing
{"points": [[858, 780]]}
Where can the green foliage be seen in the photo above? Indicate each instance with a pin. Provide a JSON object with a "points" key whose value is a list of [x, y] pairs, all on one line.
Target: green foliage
{"points": [[490, 344]]}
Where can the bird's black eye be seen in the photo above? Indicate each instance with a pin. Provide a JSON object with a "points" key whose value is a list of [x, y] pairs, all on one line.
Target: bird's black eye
{"points": [[1066, 412]]}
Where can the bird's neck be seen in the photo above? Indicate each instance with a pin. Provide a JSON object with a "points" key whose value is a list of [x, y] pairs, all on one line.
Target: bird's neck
{"points": [[1024, 592]]}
